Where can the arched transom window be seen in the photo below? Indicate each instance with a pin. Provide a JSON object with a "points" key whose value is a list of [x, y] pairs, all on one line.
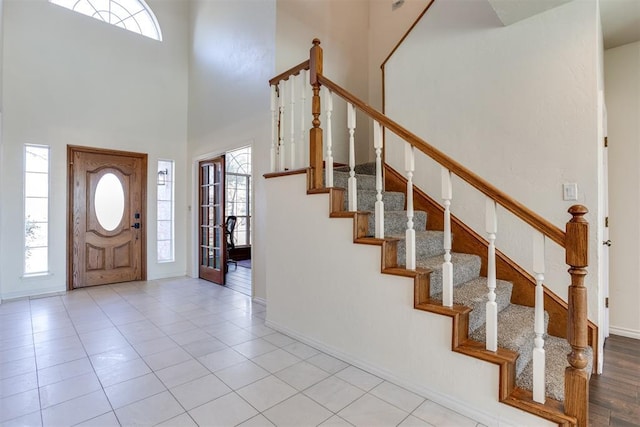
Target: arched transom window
{"points": [[132, 15]]}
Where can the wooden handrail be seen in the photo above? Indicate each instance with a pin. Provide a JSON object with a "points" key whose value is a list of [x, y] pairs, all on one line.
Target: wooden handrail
{"points": [[293, 71], [512, 205]]}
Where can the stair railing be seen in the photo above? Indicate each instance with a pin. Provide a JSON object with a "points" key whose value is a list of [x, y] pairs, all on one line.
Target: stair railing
{"points": [[352, 183], [329, 157], [574, 240], [280, 84]]}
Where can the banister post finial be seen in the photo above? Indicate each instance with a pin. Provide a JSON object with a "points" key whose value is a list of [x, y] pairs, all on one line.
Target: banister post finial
{"points": [[578, 212], [576, 382], [315, 134]]}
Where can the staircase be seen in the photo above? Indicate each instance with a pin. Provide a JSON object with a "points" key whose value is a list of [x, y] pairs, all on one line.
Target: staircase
{"points": [[539, 342], [515, 322]]}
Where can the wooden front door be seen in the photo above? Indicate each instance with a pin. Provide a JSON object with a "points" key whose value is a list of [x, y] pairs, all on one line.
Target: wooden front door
{"points": [[212, 239], [107, 201]]}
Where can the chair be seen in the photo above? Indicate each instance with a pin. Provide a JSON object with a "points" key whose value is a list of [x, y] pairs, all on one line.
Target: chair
{"points": [[229, 226]]}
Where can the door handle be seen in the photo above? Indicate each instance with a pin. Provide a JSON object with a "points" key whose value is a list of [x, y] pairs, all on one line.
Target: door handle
{"points": [[607, 243], [136, 225]]}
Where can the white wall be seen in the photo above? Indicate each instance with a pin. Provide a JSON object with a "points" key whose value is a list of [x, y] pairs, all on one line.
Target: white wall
{"points": [[386, 29], [1, 48], [622, 85], [356, 38], [231, 61], [70, 79], [343, 32], [1, 110], [351, 310], [515, 104]]}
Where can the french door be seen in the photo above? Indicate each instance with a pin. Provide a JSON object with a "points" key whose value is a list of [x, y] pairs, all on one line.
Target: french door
{"points": [[212, 239], [107, 201]]}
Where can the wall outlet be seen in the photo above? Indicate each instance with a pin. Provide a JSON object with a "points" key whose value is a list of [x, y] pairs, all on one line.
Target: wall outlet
{"points": [[570, 191]]}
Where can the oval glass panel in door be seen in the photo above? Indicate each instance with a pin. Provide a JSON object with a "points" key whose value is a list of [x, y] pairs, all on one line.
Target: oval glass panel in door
{"points": [[109, 201]]}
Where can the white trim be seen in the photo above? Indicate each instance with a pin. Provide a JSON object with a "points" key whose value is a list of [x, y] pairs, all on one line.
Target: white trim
{"points": [[33, 294], [625, 332], [167, 275], [430, 394], [260, 301]]}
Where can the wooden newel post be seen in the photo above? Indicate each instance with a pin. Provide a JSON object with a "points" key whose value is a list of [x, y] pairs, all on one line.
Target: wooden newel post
{"points": [[315, 134], [576, 378]]}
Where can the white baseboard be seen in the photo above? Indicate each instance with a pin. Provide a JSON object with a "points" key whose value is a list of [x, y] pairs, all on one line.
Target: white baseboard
{"points": [[33, 294], [167, 275], [260, 301], [625, 332], [433, 395]]}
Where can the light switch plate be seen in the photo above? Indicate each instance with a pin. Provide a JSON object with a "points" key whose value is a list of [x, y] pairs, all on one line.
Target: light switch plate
{"points": [[570, 191]]}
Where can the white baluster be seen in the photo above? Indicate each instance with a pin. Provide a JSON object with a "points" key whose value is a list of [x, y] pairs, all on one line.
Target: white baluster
{"points": [[539, 394], [303, 113], [447, 266], [492, 307], [274, 128], [410, 241], [292, 150], [352, 183], [281, 150], [379, 206], [328, 169]]}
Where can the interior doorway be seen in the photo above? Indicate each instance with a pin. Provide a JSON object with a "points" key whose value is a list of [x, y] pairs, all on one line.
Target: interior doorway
{"points": [[106, 216]]}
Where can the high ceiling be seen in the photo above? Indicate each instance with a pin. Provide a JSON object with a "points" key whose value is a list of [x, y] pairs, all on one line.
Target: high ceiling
{"points": [[620, 18], [620, 22]]}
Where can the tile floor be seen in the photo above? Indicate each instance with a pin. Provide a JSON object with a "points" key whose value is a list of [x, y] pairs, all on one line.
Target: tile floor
{"points": [[181, 352]]}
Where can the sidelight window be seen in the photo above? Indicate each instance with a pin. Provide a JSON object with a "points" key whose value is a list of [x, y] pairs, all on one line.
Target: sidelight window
{"points": [[36, 209], [166, 209]]}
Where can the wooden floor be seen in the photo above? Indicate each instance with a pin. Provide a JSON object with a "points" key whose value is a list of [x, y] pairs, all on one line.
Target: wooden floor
{"points": [[614, 396], [239, 279]]}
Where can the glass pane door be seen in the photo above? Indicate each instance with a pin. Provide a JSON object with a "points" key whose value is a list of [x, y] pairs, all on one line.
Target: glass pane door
{"points": [[212, 238]]}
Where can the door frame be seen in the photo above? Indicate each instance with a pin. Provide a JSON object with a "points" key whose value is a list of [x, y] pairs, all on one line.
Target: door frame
{"points": [[192, 269], [71, 149], [602, 232]]}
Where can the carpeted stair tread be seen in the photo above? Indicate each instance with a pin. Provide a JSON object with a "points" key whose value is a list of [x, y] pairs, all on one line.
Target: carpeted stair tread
{"points": [[473, 294], [515, 322], [466, 267], [364, 169], [556, 350], [393, 200], [515, 332], [364, 182], [429, 243], [395, 222]]}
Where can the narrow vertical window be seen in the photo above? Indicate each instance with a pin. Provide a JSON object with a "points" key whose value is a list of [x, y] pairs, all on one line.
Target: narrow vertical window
{"points": [[165, 211], [36, 209]]}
